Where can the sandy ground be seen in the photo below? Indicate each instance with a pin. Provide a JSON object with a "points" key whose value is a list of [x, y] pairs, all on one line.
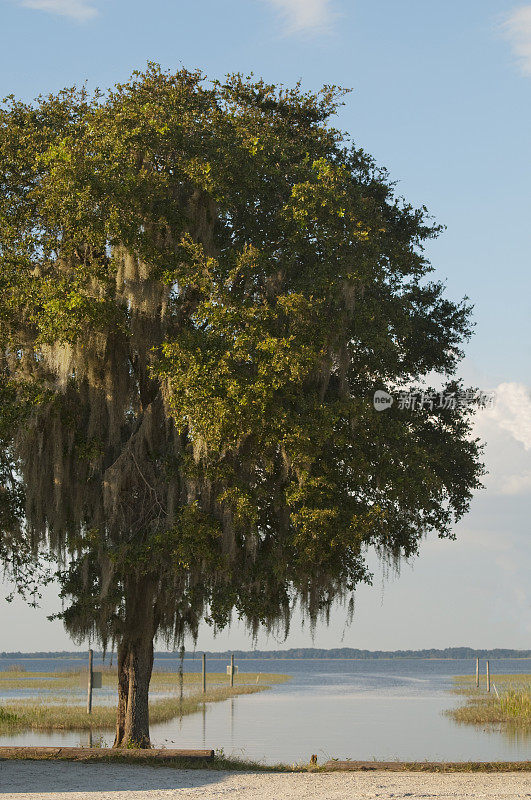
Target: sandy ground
{"points": [[68, 781]]}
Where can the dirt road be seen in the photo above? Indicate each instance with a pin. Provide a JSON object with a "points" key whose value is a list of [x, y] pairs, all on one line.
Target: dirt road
{"points": [[46, 780]]}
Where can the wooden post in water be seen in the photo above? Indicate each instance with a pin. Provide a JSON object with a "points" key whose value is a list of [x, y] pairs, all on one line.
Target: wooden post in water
{"points": [[488, 677], [204, 673], [232, 669], [89, 691], [477, 672]]}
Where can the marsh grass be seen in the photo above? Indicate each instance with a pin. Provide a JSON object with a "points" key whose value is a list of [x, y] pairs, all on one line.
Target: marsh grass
{"points": [[466, 684], [511, 709], [160, 681], [60, 713], [7, 717]]}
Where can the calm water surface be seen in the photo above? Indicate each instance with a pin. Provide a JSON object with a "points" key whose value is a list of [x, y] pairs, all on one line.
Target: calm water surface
{"points": [[383, 709]]}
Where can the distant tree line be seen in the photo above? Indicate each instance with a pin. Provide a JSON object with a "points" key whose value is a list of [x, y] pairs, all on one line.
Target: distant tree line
{"points": [[316, 653]]}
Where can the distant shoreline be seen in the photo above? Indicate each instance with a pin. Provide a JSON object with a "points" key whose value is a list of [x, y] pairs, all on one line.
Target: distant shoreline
{"points": [[300, 654]]}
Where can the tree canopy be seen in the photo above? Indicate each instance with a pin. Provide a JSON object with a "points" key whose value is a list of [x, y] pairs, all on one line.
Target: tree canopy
{"points": [[203, 285]]}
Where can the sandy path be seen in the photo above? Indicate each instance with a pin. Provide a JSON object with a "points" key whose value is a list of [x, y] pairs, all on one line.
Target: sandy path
{"points": [[67, 781]]}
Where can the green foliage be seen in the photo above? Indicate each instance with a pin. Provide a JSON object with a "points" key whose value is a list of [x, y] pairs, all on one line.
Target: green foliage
{"points": [[202, 287]]}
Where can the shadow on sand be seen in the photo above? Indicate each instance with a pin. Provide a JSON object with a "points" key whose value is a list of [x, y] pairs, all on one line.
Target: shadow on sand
{"points": [[35, 778]]}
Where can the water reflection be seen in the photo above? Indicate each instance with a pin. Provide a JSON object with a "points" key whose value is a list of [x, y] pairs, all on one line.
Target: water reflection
{"points": [[348, 711], [516, 735]]}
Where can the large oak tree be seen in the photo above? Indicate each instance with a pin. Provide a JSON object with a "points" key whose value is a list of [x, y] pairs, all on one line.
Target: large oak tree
{"points": [[202, 286]]}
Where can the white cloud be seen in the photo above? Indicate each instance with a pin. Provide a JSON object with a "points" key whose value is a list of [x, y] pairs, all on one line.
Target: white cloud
{"points": [[512, 411], [516, 484], [517, 29], [305, 15], [506, 430], [80, 10]]}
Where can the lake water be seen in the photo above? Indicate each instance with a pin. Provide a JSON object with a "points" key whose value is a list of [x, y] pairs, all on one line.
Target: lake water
{"points": [[383, 709]]}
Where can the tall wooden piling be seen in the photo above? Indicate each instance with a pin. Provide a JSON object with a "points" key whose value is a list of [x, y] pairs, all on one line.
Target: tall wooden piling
{"points": [[90, 681]]}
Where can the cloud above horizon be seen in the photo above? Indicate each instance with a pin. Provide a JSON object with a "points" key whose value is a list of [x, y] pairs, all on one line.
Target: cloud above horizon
{"points": [[512, 411], [80, 10], [517, 30], [505, 428], [305, 15]]}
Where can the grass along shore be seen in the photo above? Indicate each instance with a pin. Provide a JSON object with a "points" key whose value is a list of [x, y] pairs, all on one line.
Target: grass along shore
{"points": [[58, 712], [234, 764], [508, 704]]}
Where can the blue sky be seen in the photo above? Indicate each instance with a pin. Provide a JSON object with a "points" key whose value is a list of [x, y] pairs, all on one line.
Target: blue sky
{"points": [[441, 96]]}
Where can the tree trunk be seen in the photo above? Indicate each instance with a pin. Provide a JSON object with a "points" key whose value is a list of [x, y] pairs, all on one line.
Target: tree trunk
{"points": [[123, 693], [135, 665]]}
